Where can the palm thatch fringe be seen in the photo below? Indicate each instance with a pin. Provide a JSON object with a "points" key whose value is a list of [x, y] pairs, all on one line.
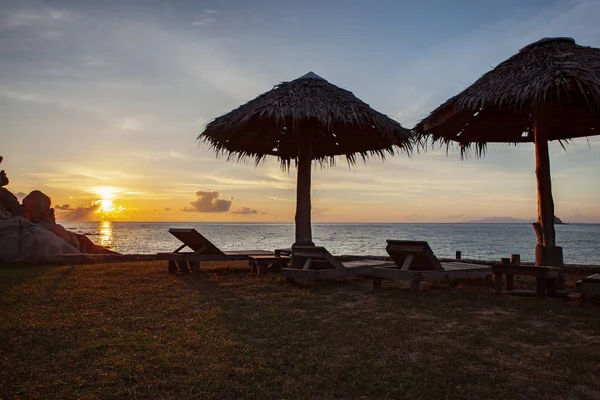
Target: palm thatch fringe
{"points": [[553, 80], [337, 122]]}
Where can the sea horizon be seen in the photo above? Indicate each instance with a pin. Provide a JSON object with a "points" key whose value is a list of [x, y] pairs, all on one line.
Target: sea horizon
{"points": [[480, 241], [316, 223]]}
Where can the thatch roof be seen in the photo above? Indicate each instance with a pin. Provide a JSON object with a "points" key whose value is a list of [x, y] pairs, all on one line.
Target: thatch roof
{"points": [[554, 80], [271, 124]]}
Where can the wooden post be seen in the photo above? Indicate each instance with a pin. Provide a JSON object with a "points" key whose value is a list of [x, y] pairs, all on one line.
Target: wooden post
{"points": [[544, 185], [376, 283], [498, 283], [303, 228], [415, 284], [515, 260], [540, 286], [510, 278]]}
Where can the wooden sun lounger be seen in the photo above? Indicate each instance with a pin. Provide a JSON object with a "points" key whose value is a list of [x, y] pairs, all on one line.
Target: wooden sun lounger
{"points": [[202, 250], [414, 261], [589, 287], [316, 263]]}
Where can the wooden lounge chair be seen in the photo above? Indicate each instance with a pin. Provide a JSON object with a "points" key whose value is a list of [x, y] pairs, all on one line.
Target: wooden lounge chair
{"points": [[202, 250], [316, 263], [589, 287], [414, 261]]}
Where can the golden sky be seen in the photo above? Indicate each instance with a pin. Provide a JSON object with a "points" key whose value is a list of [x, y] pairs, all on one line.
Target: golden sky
{"points": [[101, 105]]}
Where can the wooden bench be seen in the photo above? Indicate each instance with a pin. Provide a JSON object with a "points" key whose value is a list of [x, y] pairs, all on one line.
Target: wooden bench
{"points": [[203, 250], [317, 263], [414, 261], [545, 277]]}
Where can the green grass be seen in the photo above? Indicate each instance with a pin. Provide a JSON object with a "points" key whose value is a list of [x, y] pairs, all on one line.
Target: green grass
{"points": [[131, 330]]}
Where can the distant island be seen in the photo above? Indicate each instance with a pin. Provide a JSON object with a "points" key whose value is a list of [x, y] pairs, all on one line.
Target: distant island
{"points": [[499, 220], [558, 221], [509, 220]]}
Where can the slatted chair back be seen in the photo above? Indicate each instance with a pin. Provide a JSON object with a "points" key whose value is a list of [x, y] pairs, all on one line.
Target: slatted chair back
{"points": [[195, 241], [313, 257], [413, 255]]}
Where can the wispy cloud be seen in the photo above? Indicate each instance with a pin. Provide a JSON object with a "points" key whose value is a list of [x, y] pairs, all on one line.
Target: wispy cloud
{"points": [[245, 211], [32, 17], [206, 17], [132, 124]]}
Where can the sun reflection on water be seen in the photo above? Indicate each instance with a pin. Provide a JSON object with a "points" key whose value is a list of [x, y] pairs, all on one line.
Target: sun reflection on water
{"points": [[106, 234]]}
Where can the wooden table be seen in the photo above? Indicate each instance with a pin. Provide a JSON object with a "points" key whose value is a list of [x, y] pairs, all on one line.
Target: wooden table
{"points": [[545, 277]]}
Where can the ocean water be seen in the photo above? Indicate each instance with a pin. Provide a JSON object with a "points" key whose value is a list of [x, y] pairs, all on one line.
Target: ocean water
{"points": [[580, 242]]}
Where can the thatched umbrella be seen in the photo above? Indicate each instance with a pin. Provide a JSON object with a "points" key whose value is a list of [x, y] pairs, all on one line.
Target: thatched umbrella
{"points": [[549, 90], [304, 120]]}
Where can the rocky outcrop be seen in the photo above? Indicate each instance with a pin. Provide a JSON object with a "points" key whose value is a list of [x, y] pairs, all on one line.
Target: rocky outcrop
{"points": [[4, 214], [62, 233], [10, 203], [3, 178], [38, 238], [89, 247], [37, 208], [24, 241], [80, 242]]}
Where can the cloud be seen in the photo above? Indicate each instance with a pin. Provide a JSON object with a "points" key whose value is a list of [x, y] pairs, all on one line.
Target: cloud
{"points": [[205, 18], [82, 213], [209, 202], [32, 18], [64, 207], [245, 210], [131, 124], [414, 217]]}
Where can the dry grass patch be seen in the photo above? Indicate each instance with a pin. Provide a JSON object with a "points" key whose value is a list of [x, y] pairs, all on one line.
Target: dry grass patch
{"points": [[132, 330]]}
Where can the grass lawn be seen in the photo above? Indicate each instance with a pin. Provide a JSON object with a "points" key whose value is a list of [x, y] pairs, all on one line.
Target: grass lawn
{"points": [[131, 330]]}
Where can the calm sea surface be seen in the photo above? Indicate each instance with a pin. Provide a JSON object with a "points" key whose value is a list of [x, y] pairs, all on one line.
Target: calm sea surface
{"points": [[580, 242]]}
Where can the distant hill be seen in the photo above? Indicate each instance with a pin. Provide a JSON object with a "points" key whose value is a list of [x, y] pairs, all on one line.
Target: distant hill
{"points": [[510, 220], [500, 220]]}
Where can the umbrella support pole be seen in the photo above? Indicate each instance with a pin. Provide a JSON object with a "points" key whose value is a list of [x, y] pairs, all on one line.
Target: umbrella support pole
{"points": [[303, 206], [546, 252]]}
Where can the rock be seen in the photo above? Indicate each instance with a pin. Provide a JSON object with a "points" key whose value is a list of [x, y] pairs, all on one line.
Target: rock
{"points": [[37, 207], [89, 247], [21, 240], [3, 178], [62, 233], [4, 214], [80, 242], [10, 203]]}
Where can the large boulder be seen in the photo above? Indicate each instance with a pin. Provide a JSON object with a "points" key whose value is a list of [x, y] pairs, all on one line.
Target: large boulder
{"points": [[10, 203], [37, 207], [21, 240]]}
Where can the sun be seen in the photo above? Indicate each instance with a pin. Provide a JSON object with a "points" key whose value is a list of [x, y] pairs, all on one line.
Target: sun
{"points": [[106, 205]]}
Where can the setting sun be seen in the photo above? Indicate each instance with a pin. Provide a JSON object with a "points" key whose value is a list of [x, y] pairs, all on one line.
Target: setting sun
{"points": [[106, 205]]}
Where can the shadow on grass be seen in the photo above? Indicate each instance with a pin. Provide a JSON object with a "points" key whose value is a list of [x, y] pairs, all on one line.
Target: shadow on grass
{"points": [[12, 275]]}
